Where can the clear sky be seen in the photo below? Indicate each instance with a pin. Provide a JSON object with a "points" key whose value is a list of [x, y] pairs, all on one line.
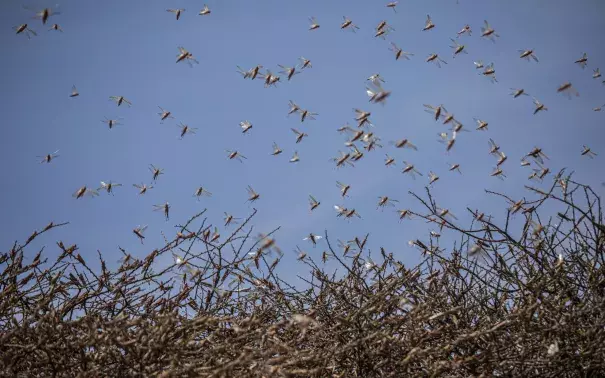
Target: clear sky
{"points": [[129, 48]]}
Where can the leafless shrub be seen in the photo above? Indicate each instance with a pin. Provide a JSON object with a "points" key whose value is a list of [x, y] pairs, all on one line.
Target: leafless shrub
{"points": [[520, 297]]}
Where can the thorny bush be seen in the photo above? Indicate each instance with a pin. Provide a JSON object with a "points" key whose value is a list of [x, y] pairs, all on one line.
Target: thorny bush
{"points": [[520, 297]]}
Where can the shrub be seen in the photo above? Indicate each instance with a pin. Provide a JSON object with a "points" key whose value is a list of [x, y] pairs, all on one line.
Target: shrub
{"points": [[502, 301]]}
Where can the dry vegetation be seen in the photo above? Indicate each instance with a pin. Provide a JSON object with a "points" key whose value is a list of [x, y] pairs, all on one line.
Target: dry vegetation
{"points": [[499, 302]]}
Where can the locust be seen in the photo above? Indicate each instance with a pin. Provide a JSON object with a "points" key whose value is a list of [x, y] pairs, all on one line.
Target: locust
{"points": [[348, 24], [177, 12], [205, 11], [458, 48], [294, 158], [360, 243], [447, 116], [389, 160], [313, 238], [381, 33], [587, 152], [376, 93], [538, 106], [165, 207], [230, 219], [421, 245], [276, 149], [120, 100], [201, 191], [362, 117], [410, 169], [493, 147], [346, 247], [383, 28], [458, 127], [252, 195], [294, 108], [501, 158], [215, 235], [85, 191], [404, 143], [371, 143], [537, 154], [455, 167], [289, 72], [342, 159], [164, 114], [24, 28], [314, 24], [185, 55], [582, 61], [447, 140], [235, 155], [185, 129], [435, 59], [435, 110], [356, 154], [376, 78], [299, 135], [518, 92], [270, 79], [305, 63], [357, 134], [404, 213], [108, 187], [44, 14], [155, 172], [301, 254], [344, 188], [305, 114], [142, 188], [488, 32], [313, 203], [49, 157], [252, 73], [428, 25], [445, 213], [540, 172], [490, 72], [385, 201], [527, 54], [466, 29], [399, 53], [481, 125], [111, 122], [245, 125], [139, 232], [567, 89], [480, 217]]}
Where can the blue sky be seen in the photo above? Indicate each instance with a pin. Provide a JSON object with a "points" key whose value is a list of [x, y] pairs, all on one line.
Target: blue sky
{"points": [[129, 48]]}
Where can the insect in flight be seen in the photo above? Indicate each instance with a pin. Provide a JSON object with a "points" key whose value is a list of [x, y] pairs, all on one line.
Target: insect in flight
{"points": [[177, 12], [43, 14], [185, 55], [205, 11], [24, 28], [49, 157]]}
